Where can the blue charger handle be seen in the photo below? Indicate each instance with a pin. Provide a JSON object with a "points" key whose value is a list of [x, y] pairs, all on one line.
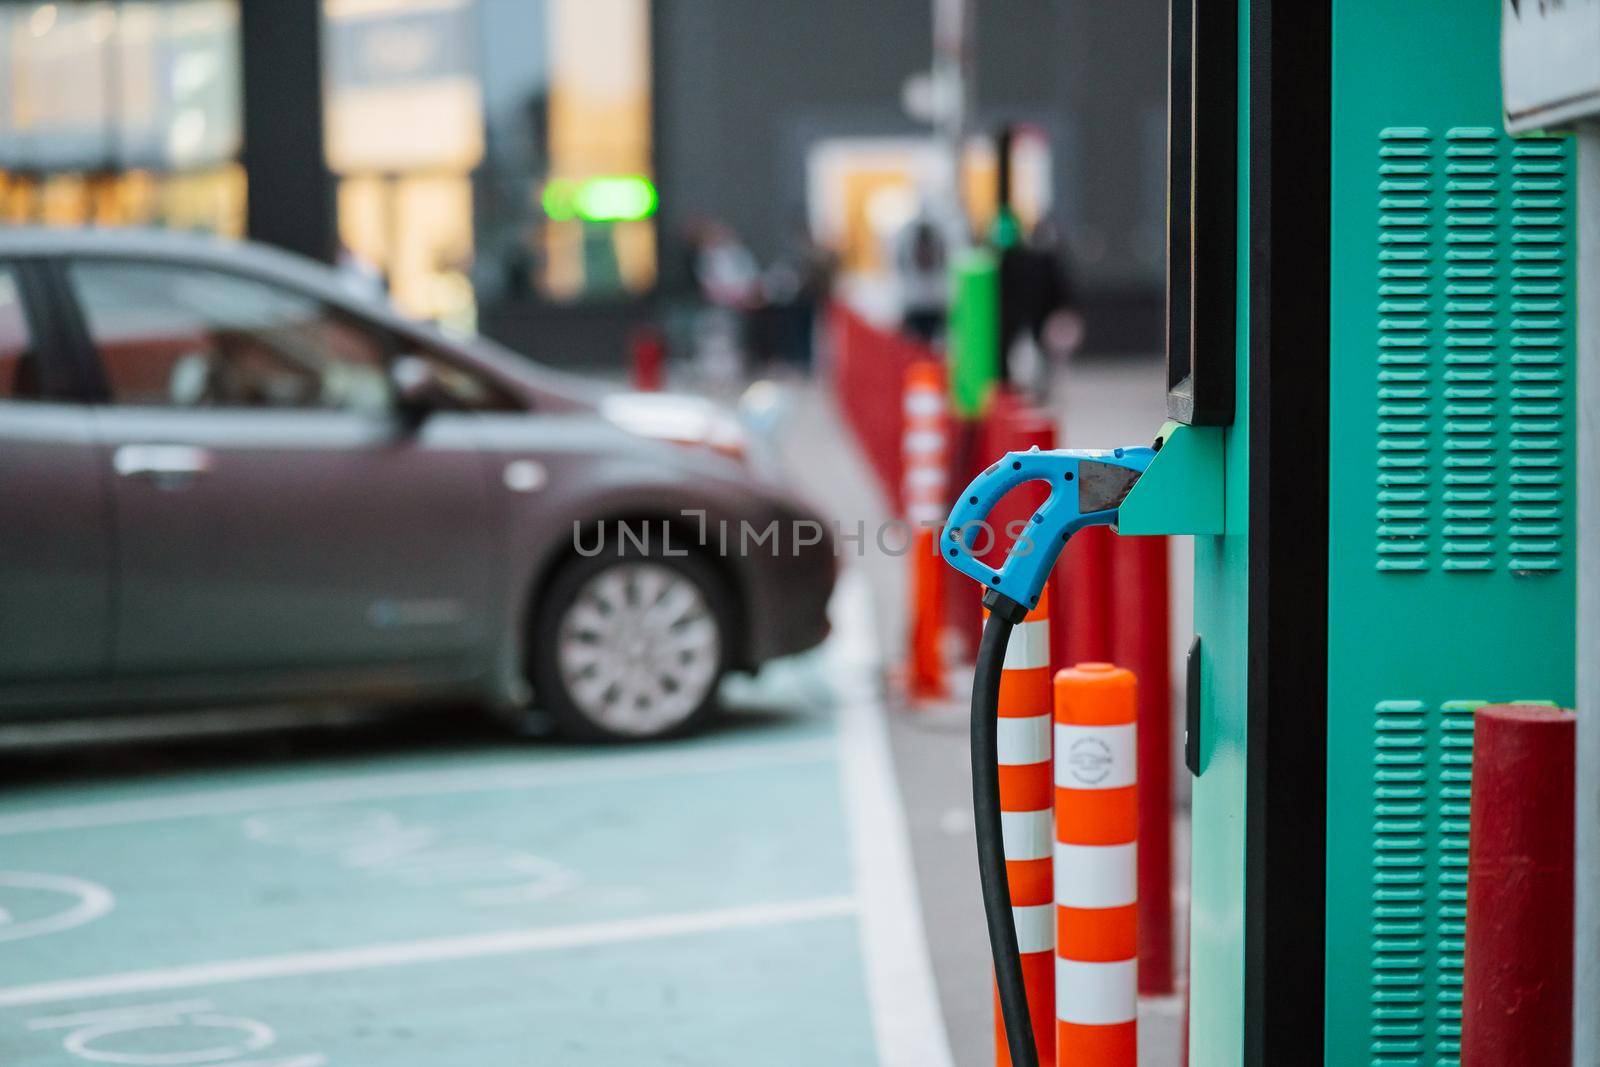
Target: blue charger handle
{"points": [[1086, 489]]}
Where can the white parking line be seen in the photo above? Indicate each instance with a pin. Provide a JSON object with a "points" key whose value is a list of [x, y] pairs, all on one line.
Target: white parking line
{"points": [[433, 950], [907, 1022], [529, 774]]}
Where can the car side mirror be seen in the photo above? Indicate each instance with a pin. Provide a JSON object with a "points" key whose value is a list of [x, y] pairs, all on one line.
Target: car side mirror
{"points": [[418, 389]]}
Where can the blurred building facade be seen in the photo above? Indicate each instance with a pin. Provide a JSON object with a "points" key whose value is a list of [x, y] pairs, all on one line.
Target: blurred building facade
{"points": [[532, 167], [121, 114]]}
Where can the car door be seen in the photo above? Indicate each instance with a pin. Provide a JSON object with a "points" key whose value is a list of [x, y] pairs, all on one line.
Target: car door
{"points": [[55, 554], [271, 510]]}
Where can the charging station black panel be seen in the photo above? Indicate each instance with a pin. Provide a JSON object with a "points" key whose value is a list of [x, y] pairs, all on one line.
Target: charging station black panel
{"points": [[1202, 210]]}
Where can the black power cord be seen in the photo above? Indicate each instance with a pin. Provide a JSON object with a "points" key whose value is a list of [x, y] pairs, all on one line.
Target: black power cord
{"points": [[1004, 614]]}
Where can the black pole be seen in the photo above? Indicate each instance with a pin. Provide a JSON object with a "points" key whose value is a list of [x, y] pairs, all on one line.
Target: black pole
{"points": [[289, 200], [1287, 763], [1002, 148]]}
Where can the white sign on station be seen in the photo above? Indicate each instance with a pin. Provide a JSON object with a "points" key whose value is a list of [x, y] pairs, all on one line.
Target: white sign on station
{"points": [[1549, 62]]}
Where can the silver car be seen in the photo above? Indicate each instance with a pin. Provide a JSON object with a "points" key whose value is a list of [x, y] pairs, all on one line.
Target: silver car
{"points": [[227, 476]]}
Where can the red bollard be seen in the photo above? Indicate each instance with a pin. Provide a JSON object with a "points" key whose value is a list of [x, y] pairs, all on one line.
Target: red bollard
{"points": [[647, 359], [1085, 590], [1140, 642], [1517, 986]]}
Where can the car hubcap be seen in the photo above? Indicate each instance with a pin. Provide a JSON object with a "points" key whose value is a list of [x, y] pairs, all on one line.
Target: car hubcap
{"points": [[638, 648]]}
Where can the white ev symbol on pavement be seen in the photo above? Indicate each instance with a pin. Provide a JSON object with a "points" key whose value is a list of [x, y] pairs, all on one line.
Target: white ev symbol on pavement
{"points": [[84, 903], [183, 1034]]}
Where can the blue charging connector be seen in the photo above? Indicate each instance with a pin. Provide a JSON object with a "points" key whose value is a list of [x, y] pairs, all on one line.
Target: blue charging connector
{"points": [[1086, 489]]}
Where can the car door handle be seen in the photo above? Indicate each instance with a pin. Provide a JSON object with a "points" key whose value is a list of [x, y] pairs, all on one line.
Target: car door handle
{"points": [[161, 462]]}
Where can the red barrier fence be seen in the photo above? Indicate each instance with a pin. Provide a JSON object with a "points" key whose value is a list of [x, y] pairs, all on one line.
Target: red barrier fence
{"points": [[869, 373], [1517, 985], [869, 368]]}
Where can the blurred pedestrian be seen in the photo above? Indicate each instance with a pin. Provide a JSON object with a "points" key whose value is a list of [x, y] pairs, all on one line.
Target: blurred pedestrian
{"points": [[920, 263], [728, 281], [796, 287], [1040, 325], [724, 269]]}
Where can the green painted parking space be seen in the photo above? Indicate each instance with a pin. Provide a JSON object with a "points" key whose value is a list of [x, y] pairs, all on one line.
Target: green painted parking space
{"points": [[752, 826], [780, 994], [486, 903]]}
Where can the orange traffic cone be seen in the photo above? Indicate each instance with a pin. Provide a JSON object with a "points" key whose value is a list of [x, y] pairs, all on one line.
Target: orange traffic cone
{"points": [[1025, 797], [1096, 865], [926, 463]]}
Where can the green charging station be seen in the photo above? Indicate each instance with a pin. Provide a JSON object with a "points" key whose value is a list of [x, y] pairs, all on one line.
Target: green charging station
{"points": [[1371, 363], [974, 331]]}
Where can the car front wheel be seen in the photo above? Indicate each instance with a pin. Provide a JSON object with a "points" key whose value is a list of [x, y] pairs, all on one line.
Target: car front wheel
{"points": [[631, 647]]}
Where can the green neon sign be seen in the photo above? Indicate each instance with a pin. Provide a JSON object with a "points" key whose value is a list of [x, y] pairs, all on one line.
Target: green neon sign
{"points": [[616, 198], [559, 199]]}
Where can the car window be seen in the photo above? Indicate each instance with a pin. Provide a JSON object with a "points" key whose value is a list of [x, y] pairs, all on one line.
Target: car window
{"points": [[467, 388], [170, 335], [19, 360]]}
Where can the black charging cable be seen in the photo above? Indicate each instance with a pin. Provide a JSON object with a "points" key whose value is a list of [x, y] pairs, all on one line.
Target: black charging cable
{"points": [[1004, 614]]}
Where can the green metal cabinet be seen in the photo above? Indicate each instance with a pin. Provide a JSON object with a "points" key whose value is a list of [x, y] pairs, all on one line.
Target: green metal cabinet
{"points": [[1396, 467], [1451, 493]]}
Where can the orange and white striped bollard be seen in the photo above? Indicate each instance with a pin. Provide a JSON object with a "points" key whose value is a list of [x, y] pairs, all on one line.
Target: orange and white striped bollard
{"points": [[1025, 797], [1096, 866], [926, 471]]}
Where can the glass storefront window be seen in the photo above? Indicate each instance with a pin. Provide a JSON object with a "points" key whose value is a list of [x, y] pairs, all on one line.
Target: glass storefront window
{"points": [[599, 138], [121, 112], [493, 151], [863, 191], [404, 131]]}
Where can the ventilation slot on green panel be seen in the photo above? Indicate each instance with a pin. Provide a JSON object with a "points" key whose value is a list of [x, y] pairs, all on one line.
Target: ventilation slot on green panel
{"points": [[1400, 874], [1422, 801], [1539, 344], [1405, 183], [1474, 303], [1455, 804], [1472, 262]]}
